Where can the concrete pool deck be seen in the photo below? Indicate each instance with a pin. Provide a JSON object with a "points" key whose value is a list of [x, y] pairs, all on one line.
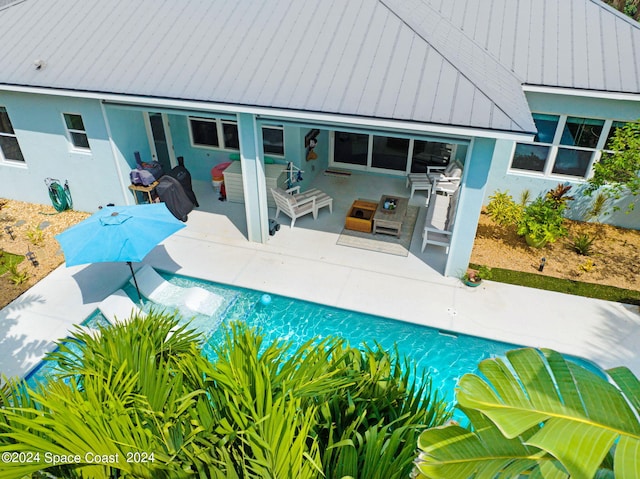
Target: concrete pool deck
{"points": [[306, 263]]}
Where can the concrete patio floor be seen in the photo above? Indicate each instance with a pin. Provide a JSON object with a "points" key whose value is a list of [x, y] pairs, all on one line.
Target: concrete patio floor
{"points": [[306, 263]]}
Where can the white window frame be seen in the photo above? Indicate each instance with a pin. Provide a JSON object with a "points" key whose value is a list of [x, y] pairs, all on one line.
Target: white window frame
{"points": [[274, 127], [219, 131], [72, 145], [369, 165], [11, 161], [547, 171]]}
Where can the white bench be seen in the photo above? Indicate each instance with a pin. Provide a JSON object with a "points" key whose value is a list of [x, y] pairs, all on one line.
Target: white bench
{"points": [[441, 214], [295, 204]]}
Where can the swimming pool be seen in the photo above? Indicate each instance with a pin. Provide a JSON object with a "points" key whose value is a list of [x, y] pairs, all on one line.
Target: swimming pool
{"points": [[444, 355]]}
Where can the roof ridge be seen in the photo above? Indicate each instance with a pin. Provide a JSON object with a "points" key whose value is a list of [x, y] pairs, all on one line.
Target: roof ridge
{"points": [[4, 4], [401, 9]]}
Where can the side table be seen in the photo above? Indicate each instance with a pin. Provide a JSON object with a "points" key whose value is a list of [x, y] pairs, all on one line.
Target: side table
{"points": [[143, 189]]}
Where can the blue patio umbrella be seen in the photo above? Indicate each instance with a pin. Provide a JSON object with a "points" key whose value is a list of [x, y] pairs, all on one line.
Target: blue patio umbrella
{"points": [[118, 233]]}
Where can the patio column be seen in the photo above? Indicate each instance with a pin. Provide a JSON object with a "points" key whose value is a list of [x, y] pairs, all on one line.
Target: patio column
{"points": [[253, 178], [474, 183]]}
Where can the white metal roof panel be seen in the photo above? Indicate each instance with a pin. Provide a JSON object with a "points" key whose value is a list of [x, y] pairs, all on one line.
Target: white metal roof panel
{"points": [[356, 57], [583, 44], [417, 60]]}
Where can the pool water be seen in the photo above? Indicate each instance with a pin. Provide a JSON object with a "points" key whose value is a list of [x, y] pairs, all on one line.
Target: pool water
{"points": [[446, 356]]}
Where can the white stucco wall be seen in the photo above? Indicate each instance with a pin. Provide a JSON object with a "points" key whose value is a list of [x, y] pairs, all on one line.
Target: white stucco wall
{"points": [[500, 178], [39, 127]]}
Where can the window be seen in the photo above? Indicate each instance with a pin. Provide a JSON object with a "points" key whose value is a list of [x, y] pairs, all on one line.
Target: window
{"points": [[429, 153], [581, 132], [230, 135], [273, 140], [564, 145], [8, 141], [530, 157], [393, 154], [351, 148], [390, 153], [204, 132], [614, 126], [214, 133], [76, 131]]}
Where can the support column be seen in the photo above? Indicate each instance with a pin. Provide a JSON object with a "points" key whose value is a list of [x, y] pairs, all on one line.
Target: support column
{"points": [[474, 183], [253, 178]]}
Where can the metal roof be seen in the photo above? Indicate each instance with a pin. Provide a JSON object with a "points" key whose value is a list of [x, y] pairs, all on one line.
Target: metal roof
{"points": [[583, 44], [411, 60]]}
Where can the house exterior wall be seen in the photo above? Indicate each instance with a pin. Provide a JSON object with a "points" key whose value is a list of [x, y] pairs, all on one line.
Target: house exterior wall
{"points": [[473, 189], [198, 160], [501, 178], [40, 129]]}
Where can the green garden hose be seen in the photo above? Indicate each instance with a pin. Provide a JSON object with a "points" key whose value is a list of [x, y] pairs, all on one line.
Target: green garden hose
{"points": [[60, 195]]}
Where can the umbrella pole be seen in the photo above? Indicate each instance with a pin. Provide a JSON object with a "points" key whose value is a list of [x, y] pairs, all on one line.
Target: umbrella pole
{"points": [[135, 281]]}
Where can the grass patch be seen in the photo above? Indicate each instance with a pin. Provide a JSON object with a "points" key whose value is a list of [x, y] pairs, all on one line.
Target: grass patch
{"points": [[8, 258], [549, 283]]}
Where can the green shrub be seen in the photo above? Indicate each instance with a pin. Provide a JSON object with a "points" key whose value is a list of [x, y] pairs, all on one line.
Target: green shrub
{"points": [[542, 222], [503, 210], [35, 235], [582, 244], [597, 207], [16, 276]]}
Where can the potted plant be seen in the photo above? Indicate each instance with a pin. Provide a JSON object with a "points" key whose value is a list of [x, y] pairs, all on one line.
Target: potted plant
{"points": [[473, 277]]}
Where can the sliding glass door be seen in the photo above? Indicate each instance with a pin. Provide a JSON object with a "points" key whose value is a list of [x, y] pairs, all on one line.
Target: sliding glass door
{"points": [[388, 154], [351, 148]]}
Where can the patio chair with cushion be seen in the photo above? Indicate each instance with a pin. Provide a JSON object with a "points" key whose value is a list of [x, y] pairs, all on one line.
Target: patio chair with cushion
{"points": [[434, 177], [295, 204], [441, 215], [451, 173]]}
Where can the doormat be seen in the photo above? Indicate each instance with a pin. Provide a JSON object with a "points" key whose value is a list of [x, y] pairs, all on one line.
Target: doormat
{"points": [[383, 243], [330, 172]]}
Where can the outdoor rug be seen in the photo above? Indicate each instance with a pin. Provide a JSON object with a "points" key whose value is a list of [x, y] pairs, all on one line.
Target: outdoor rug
{"points": [[383, 243]]}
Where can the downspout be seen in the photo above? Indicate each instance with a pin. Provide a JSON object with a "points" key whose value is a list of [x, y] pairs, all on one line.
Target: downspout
{"points": [[114, 151]]}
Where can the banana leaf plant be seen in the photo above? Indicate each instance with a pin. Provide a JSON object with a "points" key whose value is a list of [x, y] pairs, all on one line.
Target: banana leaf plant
{"points": [[538, 415]]}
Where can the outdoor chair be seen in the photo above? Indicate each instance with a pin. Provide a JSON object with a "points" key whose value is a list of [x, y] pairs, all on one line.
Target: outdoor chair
{"points": [[441, 214], [418, 181], [295, 204], [436, 179], [451, 173]]}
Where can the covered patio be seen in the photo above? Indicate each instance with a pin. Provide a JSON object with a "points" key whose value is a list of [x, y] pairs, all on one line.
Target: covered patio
{"points": [[344, 190]]}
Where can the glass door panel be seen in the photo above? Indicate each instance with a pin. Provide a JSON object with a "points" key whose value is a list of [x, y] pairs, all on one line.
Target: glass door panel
{"points": [[390, 153], [160, 140], [429, 153], [351, 148]]}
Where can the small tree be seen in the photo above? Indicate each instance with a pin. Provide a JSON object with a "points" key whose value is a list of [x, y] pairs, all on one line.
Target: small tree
{"points": [[618, 170]]}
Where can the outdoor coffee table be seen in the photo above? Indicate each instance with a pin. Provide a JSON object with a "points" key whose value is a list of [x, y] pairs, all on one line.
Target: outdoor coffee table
{"points": [[389, 221]]}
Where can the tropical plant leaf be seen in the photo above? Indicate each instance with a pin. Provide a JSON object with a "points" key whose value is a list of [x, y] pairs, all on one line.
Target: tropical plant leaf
{"points": [[628, 384], [582, 414], [484, 453]]}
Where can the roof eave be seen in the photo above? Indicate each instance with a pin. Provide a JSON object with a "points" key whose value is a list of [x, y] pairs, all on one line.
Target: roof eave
{"points": [[556, 90], [269, 113]]}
